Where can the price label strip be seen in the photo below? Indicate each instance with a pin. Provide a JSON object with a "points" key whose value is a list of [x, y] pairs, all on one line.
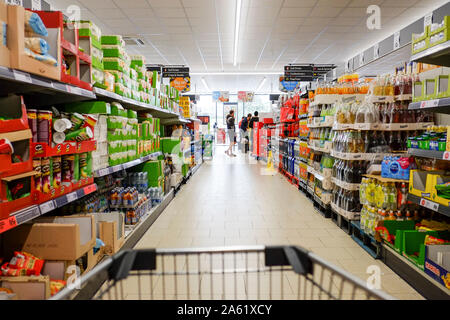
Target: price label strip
{"points": [[89, 189], [446, 155], [27, 214], [22, 76], [7, 224], [429, 103], [429, 204], [47, 206], [71, 196]]}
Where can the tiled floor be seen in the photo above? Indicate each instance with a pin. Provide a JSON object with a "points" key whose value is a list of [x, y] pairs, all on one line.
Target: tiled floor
{"points": [[230, 201]]}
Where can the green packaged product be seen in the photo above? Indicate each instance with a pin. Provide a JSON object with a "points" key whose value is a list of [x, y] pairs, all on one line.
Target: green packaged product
{"points": [[443, 190], [113, 40], [85, 164], [76, 167]]}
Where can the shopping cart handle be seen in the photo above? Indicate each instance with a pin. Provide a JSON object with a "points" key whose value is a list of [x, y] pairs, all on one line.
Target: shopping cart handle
{"points": [[122, 265], [296, 257]]}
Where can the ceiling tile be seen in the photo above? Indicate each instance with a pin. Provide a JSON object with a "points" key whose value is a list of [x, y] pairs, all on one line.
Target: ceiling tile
{"points": [[399, 3], [175, 22], [346, 21], [333, 3], [165, 3], [98, 4], [302, 3], [364, 3], [110, 13], [140, 13], [325, 12], [354, 12], [197, 3], [320, 22], [295, 12], [170, 13], [117, 22], [132, 4]]}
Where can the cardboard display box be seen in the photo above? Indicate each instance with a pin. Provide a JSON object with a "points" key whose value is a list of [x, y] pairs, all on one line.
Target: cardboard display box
{"points": [[21, 142], [22, 184], [4, 50], [28, 288], [16, 43], [437, 263], [64, 269], [53, 238], [14, 108], [111, 230]]}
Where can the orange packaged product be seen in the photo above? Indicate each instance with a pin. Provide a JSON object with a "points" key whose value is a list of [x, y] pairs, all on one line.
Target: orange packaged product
{"points": [[56, 286]]}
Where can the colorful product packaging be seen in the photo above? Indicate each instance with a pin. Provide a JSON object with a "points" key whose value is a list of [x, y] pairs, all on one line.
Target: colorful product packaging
{"points": [[57, 172], [37, 177], [44, 122], [33, 123], [77, 120], [68, 167], [46, 171], [85, 164], [82, 134]]}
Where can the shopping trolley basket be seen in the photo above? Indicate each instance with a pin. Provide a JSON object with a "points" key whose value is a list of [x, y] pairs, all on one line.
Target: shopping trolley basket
{"points": [[256, 272]]}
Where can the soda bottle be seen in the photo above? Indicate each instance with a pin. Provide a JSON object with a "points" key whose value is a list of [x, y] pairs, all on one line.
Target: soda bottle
{"points": [[399, 216]]}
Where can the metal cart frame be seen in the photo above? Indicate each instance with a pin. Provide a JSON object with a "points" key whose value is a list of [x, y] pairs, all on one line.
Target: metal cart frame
{"points": [[204, 273]]}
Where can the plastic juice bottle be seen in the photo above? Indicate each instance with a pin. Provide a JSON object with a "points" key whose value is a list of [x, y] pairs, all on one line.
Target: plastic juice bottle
{"points": [[383, 214], [379, 195], [391, 215], [393, 197], [408, 215], [362, 191], [399, 216]]}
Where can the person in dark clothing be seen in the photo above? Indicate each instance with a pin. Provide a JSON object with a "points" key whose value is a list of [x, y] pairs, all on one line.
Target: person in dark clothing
{"points": [[231, 133], [244, 131], [251, 124], [245, 122], [254, 119]]}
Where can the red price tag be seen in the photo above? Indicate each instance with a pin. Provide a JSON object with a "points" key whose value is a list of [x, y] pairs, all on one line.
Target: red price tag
{"points": [[89, 189], [446, 155], [7, 224]]}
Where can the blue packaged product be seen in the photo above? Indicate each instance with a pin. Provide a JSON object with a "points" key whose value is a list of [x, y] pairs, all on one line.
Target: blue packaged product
{"points": [[33, 23]]}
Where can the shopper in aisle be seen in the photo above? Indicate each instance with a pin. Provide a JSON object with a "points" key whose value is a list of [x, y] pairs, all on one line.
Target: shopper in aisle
{"points": [[254, 119], [251, 124], [231, 133], [244, 132]]}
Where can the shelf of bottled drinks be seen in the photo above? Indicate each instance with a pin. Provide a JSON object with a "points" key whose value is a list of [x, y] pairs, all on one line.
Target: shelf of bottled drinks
{"points": [[374, 163]]}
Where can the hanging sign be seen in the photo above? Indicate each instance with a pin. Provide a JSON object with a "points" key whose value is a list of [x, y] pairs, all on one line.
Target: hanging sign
{"points": [[286, 86], [181, 84], [245, 96], [169, 72], [221, 96], [396, 40]]}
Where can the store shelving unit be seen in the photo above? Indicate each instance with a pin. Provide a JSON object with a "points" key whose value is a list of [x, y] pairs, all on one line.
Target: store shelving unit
{"points": [[437, 55], [416, 278], [126, 165], [429, 204], [441, 155], [32, 212], [39, 90], [441, 105]]}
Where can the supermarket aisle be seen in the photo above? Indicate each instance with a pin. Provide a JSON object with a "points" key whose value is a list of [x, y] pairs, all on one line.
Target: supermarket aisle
{"points": [[228, 202]]}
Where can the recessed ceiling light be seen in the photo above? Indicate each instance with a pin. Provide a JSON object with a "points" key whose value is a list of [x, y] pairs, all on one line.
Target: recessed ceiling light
{"points": [[236, 30]]}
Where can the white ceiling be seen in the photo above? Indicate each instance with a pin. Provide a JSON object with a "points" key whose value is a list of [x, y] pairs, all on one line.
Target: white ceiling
{"points": [[273, 33]]}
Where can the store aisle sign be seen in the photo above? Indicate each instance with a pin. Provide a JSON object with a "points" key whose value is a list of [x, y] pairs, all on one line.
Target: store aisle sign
{"points": [[245, 96], [286, 86], [221, 96], [182, 84]]}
